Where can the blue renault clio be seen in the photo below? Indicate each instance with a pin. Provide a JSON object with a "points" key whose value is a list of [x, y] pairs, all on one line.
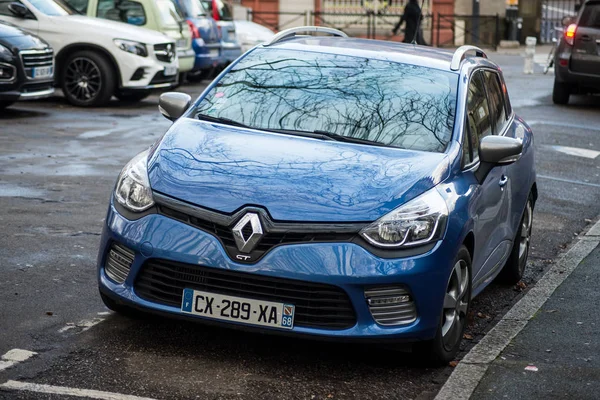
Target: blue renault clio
{"points": [[330, 187]]}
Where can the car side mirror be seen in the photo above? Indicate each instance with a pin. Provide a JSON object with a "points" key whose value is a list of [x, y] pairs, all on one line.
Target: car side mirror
{"points": [[497, 150], [173, 104], [18, 9]]}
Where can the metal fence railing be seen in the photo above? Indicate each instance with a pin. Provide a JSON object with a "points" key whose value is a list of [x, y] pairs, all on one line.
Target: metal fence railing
{"points": [[439, 30]]}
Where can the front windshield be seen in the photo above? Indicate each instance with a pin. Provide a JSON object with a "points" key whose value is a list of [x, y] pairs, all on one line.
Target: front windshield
{"points": [[168, 12], [393, 104], [193, 8], [53, 8]]}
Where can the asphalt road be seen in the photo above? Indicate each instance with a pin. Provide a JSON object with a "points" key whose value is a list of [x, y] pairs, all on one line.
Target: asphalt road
{"points": [[58, 165]]}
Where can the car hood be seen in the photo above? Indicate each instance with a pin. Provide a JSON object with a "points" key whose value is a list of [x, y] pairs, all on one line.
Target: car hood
{"points": [[294, 178], [17, 39], [105, 27]]}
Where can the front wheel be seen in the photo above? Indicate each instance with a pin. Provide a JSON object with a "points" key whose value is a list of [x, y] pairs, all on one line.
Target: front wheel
{"points": [[88, 79], [4, 104], [446, 344]]}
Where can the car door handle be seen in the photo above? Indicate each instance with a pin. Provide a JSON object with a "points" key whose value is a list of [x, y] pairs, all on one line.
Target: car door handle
{"points": [[503, 181], [585, 38]]}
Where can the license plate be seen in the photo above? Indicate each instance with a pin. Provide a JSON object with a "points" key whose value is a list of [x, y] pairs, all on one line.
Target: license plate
{"points": [[238, 309], [170, 71], [181, 43], [42, 72], [214, 52]]}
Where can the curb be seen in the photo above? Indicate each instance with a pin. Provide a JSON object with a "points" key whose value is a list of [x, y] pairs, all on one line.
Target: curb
{"points": [[471, 369]]}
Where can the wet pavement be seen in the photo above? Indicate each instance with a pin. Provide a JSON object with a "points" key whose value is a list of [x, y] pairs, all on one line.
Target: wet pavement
{"points": [[58, 165]]}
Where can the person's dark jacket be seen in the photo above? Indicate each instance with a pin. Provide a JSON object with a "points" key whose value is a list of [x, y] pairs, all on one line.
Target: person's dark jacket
{"points": [[412, 14]]}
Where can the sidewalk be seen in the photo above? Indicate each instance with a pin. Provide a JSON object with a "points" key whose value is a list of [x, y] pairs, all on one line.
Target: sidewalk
{"points": [[562, 341], [547, 346]]}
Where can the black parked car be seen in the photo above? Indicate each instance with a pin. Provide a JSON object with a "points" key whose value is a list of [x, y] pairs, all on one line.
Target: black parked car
{"points": [[577, 59], [26, 66]]}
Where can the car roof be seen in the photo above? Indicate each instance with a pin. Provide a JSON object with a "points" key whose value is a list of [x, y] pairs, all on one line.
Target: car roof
{"points": [[373, 49]]}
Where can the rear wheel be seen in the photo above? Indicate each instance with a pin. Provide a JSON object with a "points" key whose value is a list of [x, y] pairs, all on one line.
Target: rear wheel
{"points": [[198, 76], [513, 270], [444, 347], [132, 97], [561, 93], [88, 79]]}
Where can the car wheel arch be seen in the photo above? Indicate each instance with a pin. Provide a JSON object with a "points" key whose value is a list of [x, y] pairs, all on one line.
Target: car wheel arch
{"points": [[70, 49]]}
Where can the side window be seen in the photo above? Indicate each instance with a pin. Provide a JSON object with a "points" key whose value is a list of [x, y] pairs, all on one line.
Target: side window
{"points": [[130, 12], [4, 8], [79, 5], [496, 99], [478, 114]]}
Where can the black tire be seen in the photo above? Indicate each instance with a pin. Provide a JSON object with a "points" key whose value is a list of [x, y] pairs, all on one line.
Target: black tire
{"points": [[199, 76], [513, 270], [132, 97], [4, 104], [116, 307], [561, 93], [88, 79], [445, 346]]}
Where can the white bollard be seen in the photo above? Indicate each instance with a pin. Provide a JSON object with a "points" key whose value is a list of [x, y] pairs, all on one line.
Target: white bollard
{"points": [[530, 43]]}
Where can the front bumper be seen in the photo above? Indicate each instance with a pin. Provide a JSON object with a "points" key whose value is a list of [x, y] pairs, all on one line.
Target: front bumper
{"points": [[152, 71], [344, 265]]}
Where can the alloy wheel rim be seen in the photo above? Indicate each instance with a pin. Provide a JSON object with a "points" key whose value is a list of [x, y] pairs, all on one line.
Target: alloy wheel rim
{"points": [[82, 79], [456, 303], [525, 238]]}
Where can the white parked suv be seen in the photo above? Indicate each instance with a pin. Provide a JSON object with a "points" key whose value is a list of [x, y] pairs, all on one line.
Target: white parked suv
{"points": [[97, 58]]}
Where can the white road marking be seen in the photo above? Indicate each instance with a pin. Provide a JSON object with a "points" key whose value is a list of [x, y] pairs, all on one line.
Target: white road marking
{"points": [[472, 368], [574, 182], [13, 357], [563, 124], [83, 325], [67, 391], [576, 151]]}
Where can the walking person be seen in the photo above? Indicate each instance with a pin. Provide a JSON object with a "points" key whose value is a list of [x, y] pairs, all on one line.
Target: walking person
{"points": [[412, 17]]}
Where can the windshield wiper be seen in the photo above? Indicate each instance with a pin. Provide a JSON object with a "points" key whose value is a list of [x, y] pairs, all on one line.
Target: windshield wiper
{"points": [[349, 139], [222, 120]]}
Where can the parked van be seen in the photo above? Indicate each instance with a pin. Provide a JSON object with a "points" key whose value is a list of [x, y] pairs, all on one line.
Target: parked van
{"points": [[159, 15]]}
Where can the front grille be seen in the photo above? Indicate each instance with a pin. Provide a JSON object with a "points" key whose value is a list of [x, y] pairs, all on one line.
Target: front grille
{"points": [[391, 305], [165, 52], [118, 262], [37, 58], [268, 241], [317, 305]]}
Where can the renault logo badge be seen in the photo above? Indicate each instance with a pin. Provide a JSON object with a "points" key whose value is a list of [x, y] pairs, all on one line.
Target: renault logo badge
{"points": [[247, 232]]}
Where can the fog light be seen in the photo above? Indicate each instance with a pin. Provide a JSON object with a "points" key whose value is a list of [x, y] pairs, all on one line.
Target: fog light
{"points": [[7, 72], [391, 305]]}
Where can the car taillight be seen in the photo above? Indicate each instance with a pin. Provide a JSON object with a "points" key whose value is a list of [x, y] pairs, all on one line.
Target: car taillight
{"points": [[570, 34], [194, 29]]}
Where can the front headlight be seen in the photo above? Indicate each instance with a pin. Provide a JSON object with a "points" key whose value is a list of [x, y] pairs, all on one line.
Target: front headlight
{"points": [[417, 222], [130, 46], [5, 51], [133, 186]]}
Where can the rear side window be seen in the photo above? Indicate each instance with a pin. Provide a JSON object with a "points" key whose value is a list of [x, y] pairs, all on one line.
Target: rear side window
{"points": [[590, 17], [479, 120], [130, 12], [496, 100]]}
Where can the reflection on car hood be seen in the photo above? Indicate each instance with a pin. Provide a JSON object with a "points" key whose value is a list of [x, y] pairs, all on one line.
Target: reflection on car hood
{"points": [[295, 178], [114, 29]]}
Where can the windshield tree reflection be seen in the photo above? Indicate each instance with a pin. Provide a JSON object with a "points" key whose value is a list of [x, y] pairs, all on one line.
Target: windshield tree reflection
{"points": [[398, 105]]}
